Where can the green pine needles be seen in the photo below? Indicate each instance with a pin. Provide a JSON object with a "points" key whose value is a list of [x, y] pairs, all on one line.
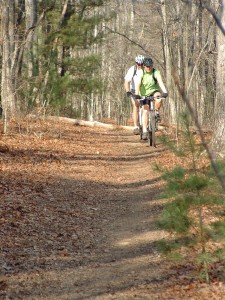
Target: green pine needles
{"points": [[195, 212], [63, 68]]}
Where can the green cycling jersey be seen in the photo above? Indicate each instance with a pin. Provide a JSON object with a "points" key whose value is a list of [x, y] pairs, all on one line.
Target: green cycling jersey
{"points": [[148, 84]]}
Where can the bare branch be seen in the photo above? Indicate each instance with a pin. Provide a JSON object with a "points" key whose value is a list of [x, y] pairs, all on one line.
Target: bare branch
{"points": [[195, 119], [196, 65], [213, 12], [132, 41]]}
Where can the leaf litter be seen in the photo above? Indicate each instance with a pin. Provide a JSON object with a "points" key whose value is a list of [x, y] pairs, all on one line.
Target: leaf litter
{"points": [[78, 207]]}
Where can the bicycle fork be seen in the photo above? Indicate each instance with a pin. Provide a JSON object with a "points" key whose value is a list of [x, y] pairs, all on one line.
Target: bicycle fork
{"points": [[150, 113], [153, 118]]}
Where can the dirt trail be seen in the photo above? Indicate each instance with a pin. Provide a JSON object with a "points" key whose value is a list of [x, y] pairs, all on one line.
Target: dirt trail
{"points": [[91, 232]]}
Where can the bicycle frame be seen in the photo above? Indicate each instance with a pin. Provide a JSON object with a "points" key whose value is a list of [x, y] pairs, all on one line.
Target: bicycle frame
{"points": [[152, 121]]}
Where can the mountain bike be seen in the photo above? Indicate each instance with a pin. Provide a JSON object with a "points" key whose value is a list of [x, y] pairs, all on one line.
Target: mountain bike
{"points": [[152, 118]]}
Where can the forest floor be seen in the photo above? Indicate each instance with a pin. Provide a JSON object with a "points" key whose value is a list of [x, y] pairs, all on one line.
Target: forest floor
{"points": [[78, 212]]}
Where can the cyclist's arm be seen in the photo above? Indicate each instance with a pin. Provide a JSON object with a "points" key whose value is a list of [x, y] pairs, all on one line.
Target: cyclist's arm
{"points": [[138, 85], [160, 83], [127, 85], [128, 79]]}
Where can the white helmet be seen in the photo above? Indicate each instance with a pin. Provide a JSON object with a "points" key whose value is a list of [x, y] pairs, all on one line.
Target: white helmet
{"points": [[139, 59]]}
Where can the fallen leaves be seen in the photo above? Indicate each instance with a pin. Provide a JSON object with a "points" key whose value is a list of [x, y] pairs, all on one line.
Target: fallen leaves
{"points": [[57, 190]]}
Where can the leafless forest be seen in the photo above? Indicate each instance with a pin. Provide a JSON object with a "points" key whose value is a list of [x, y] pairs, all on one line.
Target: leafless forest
{"points": [[81, 210]]}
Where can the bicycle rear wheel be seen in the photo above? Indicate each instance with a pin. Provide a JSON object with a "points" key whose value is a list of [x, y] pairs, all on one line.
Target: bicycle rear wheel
{"points": [[149, 137], [141, 131]]}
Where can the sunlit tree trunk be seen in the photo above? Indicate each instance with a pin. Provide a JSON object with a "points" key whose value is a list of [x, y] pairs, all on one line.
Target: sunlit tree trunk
{"points": [[31, 20], [218, 141], [167, 57]]}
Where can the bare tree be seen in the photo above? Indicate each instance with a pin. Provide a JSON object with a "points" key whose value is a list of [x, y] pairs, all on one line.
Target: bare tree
{"points": [[14, 38], [31, 21], [8, 91], [171, 105], [218, 141]]}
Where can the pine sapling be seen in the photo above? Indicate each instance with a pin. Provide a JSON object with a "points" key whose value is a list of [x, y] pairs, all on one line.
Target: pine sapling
{"points": [[194, 194]]}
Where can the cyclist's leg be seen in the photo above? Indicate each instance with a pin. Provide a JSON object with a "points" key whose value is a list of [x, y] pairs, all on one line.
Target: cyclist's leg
{"points": [[158, 102], [140, 122], [135, 104]]}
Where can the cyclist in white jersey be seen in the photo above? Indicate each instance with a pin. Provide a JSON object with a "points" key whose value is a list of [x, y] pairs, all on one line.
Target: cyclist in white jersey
{"points": [[130, 86]]}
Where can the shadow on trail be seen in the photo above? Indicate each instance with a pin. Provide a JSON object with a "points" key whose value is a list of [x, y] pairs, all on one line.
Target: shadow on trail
{"points": [[80, 239], [61, 239], [39, 156], [138, 184]]}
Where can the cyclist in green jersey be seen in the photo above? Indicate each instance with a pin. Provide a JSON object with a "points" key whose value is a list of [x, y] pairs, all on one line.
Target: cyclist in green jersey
{"points": [[150, 83]]}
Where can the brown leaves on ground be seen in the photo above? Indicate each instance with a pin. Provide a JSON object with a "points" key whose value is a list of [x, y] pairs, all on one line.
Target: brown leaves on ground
{"points": [[64, 191]]}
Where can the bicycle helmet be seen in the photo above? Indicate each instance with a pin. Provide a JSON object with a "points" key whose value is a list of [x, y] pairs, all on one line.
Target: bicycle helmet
{"points": [[139, 59], [148, 62]]}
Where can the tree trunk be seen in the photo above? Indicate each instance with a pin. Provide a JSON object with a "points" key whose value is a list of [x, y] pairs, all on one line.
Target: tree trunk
{"points": [[31, 20], [218, 141], [171, 107], [8, 91]]}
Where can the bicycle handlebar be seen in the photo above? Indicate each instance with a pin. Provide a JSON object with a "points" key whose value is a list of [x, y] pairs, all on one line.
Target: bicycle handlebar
{"points": [[148, 98], [151, 98]]}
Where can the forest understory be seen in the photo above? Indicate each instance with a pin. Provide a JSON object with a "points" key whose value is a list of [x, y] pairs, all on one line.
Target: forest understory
{"points": [[78, 212]]}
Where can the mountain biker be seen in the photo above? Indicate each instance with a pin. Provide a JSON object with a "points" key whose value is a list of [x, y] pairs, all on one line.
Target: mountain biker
{"points": [[129, 85], [149, 83]]}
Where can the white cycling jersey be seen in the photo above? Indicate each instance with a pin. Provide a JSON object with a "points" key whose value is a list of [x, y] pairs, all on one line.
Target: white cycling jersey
{"points": [[132, 77]]}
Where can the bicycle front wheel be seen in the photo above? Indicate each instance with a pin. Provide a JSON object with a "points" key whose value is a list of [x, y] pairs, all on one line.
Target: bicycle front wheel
{"points": [[152, 129]]}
